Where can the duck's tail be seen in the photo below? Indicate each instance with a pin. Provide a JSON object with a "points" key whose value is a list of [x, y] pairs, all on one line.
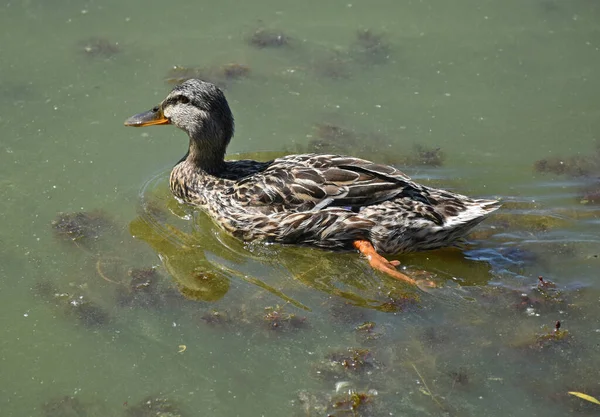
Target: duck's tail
{"points": [[455, 228], [474, 211]]}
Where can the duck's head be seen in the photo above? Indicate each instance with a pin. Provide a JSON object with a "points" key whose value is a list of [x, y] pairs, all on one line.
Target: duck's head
{"points": [[200, 109]]}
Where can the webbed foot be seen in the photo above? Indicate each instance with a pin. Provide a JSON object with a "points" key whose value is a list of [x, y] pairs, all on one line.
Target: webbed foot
{"points": [[379, 263]]}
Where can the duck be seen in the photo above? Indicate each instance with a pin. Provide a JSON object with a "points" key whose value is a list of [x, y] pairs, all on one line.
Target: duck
{"points": [[333, 202]]}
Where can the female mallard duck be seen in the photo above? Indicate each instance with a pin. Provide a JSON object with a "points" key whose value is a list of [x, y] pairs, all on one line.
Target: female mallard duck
{"points": [[329, 201]]}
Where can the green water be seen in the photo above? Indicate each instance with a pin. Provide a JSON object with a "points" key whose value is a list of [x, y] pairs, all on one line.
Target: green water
{"points": [[495, 85]]}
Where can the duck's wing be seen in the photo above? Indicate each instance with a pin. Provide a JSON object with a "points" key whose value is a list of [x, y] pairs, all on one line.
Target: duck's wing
{"points": [[309, 182]]}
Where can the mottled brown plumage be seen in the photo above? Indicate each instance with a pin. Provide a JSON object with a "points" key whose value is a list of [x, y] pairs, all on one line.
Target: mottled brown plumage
{"points": [[329, 201]]}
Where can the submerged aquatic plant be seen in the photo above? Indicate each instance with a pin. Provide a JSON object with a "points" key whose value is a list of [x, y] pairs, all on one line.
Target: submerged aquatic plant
{"points": [[428, 156], [268, 38], [550, 340], [78, 302], [145, 290], [571, 166], [334, 138], [532, 222], [398, 300], [330, 137], [345, 313], [353, 401], [64, 406], [370, 47], [85, 311], [98, 47], [461, 376], [277, 319], [221, 75], [155, 406], [367, 331], [591, 193], [345, 363], [217, 318], [333, 65], [583, 167], [81, 227], [76, 306]]}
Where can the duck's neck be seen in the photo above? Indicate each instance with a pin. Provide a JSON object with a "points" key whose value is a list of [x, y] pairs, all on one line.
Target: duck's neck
{"points": [[206, 154]]}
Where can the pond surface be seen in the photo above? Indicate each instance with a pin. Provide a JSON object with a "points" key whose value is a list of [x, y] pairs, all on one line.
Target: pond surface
{"points": [[116, 300]]}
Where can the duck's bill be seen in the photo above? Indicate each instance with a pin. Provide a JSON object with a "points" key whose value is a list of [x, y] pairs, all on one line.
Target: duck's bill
{"points": [[149, 118]]}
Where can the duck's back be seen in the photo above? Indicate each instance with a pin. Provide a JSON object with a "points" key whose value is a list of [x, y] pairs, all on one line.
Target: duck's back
{"points": [[331, 200], [313, 182]]}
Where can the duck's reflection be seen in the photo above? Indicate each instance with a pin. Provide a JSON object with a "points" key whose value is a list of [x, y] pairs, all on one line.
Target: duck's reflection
{"points": [[182, 258], [203, 261]]}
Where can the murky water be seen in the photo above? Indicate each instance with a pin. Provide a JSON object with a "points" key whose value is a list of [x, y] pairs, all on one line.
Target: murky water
{"points": [[94, 320]]}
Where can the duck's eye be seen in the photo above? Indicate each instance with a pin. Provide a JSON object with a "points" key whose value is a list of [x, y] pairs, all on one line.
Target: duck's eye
{"points": [[184, 100], [155, 109]]}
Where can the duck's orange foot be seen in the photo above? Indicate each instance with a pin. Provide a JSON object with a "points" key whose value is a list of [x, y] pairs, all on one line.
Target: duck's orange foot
{"points": [[379, 263]]}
